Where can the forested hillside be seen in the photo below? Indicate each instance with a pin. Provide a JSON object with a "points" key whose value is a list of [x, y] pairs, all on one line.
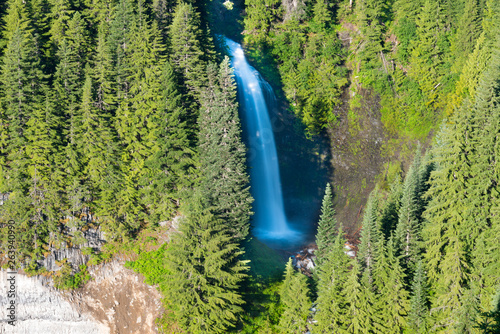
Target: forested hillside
{"points": [[428, 251], [121, 116]]}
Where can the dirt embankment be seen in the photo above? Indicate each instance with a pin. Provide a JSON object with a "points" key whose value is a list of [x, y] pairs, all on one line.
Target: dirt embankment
{"points": [[118, 298]]}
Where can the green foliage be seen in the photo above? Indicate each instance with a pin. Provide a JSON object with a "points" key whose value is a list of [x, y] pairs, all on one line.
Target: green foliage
{"points": [[332, 277], [308, 56], [186, 50], [263, 308], [225, 181], [419, 308], [296, 301], [358, 315], [204, 274], [327, 225], [66, 280], [151, 264], [370, 233], [409, 224]]}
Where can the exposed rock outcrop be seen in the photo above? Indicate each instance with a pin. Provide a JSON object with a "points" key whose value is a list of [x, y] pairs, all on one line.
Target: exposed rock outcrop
{"points": [[116, 301], [41, 309]]}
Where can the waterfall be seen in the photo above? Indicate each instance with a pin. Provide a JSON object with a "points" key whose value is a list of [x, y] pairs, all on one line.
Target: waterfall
{"points": [[269, 221]]}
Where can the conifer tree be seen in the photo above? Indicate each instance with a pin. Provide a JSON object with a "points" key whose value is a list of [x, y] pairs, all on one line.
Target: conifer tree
{"points": [[405, 13], [163, 11], [39, 11], [99, 11], [370, 234], [222, 153], [102, 73], [97, 148], [22, 97], [22, 88], [322, 15], [172, 164], [419, 308], [393, 296], [389, 215], [484, 186], [41, 147], [332, 277], [204, 274], [67, 94], [60, 14], [426, 168], [137, 116], [186, 51], [448, 217], [119, 44], [408, 228], [425, 53], [467, 314], [468, 31], [371, 16], [327, 225], [491, 322], [358, 315], [296, 301], [260, 15]]}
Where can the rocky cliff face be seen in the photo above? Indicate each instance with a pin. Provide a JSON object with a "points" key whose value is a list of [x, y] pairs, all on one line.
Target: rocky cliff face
{"points": [[43, 310], [115, 301]]}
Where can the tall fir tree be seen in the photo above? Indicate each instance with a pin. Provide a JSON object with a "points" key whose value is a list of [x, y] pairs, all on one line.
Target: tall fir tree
{"points": [[204, 274], [172, 165], [137, 116], [392, 299], [163, 11], [97, 149], [389, 212], [485, 193], [23, 83], [409, 224], [186, 52], [447, 214], [259, 18], [419, 305], [119, 44], [296, 302], [425, 54], [102, 73], [371, 15], [41, 147], [67, 84], [222, 153], [359, 309], [370, 233], [468, 31], [327, 225], [332, 277]]}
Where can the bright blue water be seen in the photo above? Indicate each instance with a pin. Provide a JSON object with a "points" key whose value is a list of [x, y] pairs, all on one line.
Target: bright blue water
{"points": [[270, 224]]}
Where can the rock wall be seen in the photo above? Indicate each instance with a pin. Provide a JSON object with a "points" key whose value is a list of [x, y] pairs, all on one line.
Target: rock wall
{"points": [[43, 310], [94, 239], [116, 301]]}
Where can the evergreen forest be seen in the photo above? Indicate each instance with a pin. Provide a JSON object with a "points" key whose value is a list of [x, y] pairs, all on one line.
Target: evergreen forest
{"points": [[121, 117]]}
